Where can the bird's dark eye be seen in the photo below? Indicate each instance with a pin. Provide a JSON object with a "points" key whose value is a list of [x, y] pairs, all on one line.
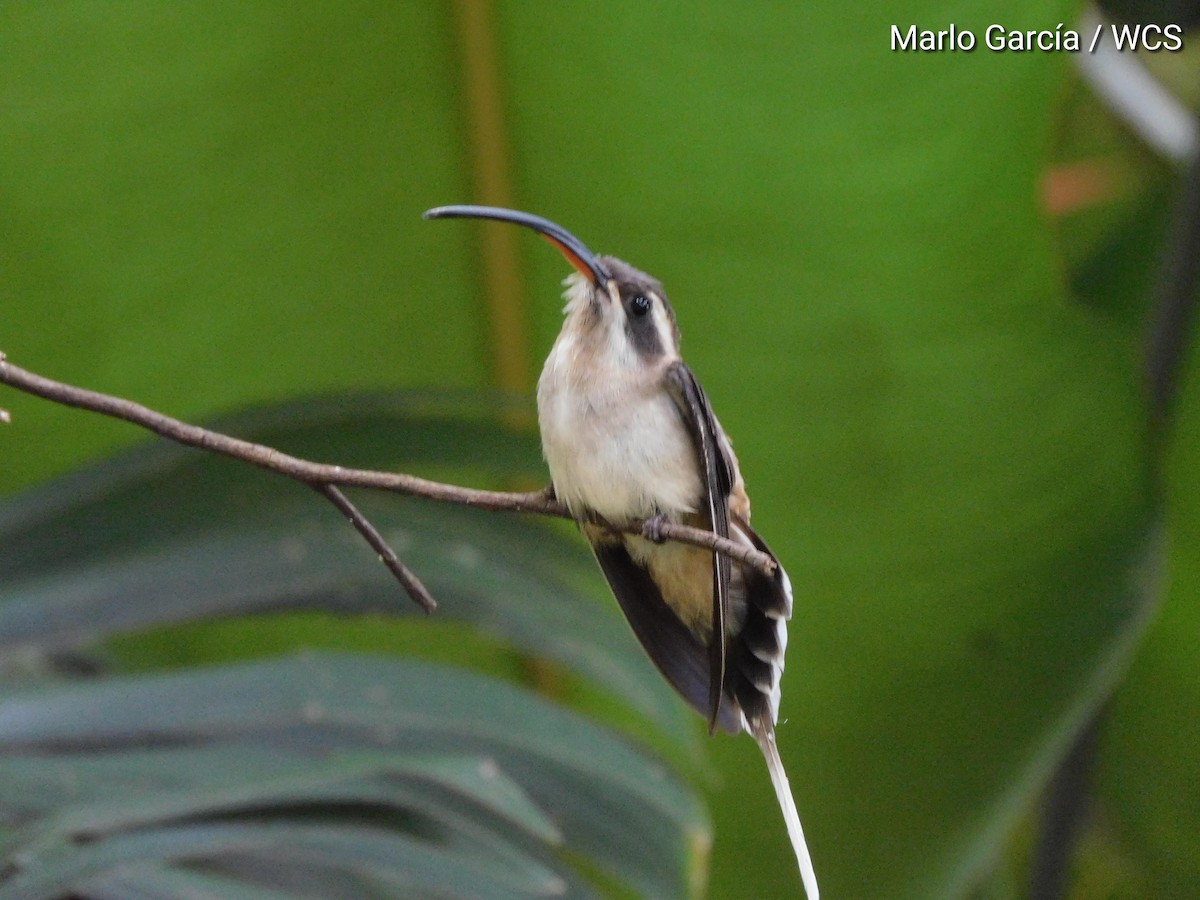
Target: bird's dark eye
{"points": [[639, 305]]}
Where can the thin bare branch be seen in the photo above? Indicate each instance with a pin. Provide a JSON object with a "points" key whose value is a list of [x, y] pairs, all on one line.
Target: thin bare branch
{"points": [[407, 578], [317, 474]]}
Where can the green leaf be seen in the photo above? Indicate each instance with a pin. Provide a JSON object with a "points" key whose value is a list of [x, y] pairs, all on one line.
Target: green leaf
{"points": [[323, 724], [392, 861], [116, 790], [166, 883], [164, 534]]}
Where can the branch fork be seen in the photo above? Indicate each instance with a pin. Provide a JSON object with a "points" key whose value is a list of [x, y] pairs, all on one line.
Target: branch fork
{"points": [[327, 480]]}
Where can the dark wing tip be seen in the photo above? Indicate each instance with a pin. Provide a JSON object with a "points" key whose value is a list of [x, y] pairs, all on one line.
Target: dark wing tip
{"points": [[716, 471], [671, 646]]}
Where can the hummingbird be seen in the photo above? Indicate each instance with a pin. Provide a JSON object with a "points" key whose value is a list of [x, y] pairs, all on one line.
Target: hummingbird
{"points": [[629, 435]]}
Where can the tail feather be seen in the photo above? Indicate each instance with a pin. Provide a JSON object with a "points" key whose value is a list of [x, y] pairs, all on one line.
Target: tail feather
{"points": [[764, 734]]}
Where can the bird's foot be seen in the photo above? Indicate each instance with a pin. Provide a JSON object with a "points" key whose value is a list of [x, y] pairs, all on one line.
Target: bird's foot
{"points": [[652, 528]]}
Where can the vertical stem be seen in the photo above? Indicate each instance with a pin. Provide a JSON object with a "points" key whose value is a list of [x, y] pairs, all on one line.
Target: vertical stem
{"points": [[1174, 302], [490, 170], [1167, 342], [1064, 809]]}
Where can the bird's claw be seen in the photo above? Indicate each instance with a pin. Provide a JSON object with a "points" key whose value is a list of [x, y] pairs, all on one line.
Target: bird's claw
{"points": [[652, 528]]}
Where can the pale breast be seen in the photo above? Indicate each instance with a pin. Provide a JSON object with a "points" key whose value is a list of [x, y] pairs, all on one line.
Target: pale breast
{"points": [[615, 446]]}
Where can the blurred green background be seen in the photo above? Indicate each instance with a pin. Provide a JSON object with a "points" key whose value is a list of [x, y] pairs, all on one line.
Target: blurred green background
{"points": [[932, 382]]}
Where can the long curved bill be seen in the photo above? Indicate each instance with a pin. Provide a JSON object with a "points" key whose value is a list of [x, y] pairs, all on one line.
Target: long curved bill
{"points": [[577, 254]]}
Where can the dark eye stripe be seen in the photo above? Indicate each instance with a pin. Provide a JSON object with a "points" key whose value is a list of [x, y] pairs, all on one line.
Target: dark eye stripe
{"points": [[641, 327]]}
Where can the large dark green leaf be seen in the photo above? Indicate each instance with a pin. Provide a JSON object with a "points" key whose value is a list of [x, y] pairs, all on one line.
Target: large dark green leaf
{"points": [[401, 773], [166, 535]]}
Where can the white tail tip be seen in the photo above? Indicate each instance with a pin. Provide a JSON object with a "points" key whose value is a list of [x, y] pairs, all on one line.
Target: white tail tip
{"points": [[765, 736]]}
